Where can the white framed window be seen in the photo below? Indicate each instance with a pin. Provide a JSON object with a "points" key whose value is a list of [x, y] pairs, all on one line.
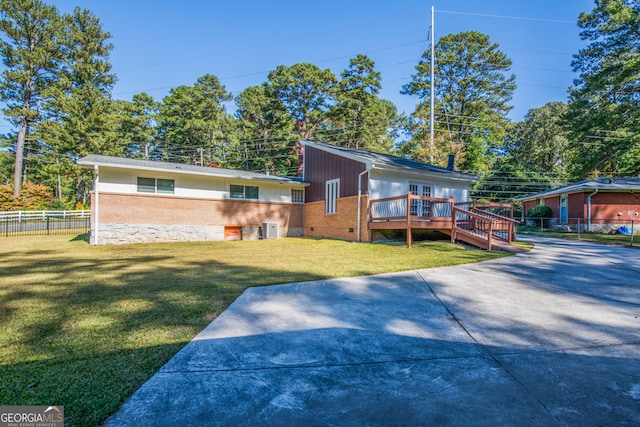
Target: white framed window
{"points": [[297, 195], [331, 195]]}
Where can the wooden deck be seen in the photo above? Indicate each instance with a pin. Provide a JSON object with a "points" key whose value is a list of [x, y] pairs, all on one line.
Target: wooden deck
{"points": [[470, 222]]}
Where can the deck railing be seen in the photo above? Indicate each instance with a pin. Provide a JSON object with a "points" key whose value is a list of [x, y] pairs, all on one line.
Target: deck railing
{"points": [[475, 224], [502, 209], [503, 228], [409, 207]]}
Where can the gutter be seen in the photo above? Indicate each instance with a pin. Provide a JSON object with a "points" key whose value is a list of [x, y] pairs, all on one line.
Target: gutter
{"points": [[589, 209], [360, 175], [96, 181]]}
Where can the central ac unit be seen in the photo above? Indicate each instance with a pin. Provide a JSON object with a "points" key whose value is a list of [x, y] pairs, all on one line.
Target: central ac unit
{"points": [[270, 230]]}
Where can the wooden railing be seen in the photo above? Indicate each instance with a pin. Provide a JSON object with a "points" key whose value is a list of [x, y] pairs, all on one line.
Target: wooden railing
{"points": [[474, 225], [502, 209], [503, 228], [483, 226], [410, 207]]}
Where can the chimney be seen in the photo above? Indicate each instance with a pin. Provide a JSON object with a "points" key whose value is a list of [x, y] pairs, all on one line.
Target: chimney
{"points": [[451, 164]]}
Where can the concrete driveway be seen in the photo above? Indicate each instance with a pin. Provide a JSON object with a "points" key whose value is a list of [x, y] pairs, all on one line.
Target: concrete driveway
{"points": [[549, 338]]}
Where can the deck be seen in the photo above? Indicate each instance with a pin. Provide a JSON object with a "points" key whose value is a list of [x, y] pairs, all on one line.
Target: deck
{"points": [[483, 225]]}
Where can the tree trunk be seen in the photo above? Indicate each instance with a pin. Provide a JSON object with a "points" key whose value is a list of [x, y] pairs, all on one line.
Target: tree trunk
{"points": [[17, 170]]}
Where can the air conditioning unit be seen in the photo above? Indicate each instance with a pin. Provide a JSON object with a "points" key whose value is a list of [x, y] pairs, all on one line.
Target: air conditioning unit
{"points": [[270, 230]]}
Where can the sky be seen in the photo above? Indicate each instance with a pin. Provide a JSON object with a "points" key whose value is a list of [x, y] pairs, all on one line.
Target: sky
{"points": [[161, 44]]}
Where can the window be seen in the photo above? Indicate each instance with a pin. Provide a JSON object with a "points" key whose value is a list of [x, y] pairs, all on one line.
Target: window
{"points": [[164, 186], [152, 185], [297, 196], [243, 192], [332, 192], [146, 185]]}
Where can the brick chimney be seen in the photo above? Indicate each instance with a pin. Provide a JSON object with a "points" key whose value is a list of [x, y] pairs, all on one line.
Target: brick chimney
{"points": [[451, 164]]}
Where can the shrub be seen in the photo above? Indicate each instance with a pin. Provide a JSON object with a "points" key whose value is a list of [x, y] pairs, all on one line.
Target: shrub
{"points": [[544, 213]]}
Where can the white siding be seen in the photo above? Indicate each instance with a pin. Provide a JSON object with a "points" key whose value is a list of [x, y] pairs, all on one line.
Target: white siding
{"points": [[384, 184], [114, 180]]}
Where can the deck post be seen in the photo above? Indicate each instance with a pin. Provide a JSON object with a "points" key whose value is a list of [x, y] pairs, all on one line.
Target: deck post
{"points": [[452, 200], [490, 234], [510, 237], [409, 237]]}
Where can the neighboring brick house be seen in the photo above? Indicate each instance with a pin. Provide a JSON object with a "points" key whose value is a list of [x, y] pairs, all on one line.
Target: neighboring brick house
{"points": [[147, 201], [341, 177], [597, 204]]}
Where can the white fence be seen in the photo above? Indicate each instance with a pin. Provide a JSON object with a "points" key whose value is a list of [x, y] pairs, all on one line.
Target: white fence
{"points": [[29, 223]]}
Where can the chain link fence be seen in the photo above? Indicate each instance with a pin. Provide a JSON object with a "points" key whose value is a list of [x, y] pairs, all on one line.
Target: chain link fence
{"points": [[617, 226]]}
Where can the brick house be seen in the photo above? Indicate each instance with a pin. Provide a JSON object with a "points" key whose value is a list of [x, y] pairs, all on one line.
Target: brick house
{"points": [[148, 201], [597, 204]]}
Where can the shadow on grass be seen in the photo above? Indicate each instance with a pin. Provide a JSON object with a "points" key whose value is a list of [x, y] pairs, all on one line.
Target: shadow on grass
{"points": [[86, 331], [89, 385], [81, 238]]}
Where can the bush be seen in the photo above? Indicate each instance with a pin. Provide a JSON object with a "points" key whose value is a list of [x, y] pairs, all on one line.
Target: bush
{"points": [[540, 212], [544, 213]]}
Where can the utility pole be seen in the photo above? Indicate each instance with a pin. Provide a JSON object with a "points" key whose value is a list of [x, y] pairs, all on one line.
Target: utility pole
{"points": [[432, 90]]}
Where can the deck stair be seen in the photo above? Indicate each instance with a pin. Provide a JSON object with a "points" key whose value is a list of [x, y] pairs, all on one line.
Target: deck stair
{"points": [[482, 228], [487, 226]]}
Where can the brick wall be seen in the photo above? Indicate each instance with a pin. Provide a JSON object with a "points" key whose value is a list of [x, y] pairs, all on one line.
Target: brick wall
{"points": [[133, 218], [343, 224]]}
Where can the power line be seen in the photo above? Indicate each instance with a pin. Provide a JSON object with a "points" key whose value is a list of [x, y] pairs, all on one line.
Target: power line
{"points": [[522, 18]]}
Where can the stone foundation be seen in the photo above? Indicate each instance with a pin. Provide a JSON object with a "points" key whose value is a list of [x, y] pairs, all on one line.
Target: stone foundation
{"points": [[151, 233]]}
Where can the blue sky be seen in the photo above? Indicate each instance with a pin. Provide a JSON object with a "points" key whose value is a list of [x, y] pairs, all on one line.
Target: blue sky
{"points": [[160, 44]]}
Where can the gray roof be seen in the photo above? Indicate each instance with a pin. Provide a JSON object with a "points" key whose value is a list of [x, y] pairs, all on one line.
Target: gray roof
{"points": [[378, 160], [150, 165], [593, 184]]}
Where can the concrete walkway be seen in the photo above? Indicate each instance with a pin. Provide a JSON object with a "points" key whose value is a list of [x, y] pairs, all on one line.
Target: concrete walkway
{"points": [[548, 338]]}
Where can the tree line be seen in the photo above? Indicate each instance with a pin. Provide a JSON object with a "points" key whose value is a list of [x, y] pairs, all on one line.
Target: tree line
{"points": [[57, 91]]}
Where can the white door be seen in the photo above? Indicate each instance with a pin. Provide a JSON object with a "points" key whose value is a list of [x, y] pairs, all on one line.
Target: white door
{"points": [[420, 207]]}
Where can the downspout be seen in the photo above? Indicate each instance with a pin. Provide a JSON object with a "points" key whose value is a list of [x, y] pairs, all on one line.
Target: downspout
{"points": [[96, 181], [360, 175], [589, 210]]}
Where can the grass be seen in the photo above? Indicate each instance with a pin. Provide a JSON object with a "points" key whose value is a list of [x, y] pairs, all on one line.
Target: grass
{"points": [[605, 239], [84, 326]]}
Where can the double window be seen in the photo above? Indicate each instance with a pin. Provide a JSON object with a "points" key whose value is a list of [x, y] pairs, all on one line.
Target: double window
{"points": [[244, 192], [331, 194], [156, 185]]}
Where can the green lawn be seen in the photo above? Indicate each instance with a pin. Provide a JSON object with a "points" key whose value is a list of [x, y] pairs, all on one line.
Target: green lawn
{"points": [[84, 326]]}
